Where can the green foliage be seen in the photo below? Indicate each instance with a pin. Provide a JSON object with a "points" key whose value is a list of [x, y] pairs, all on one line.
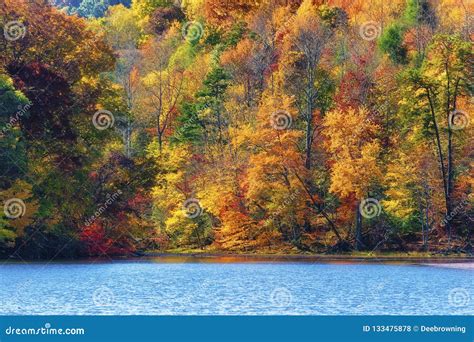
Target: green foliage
{"points": [[418, 12], [13, 109], [189, 129], [184, 55], [235, 34], [326, 89], [412, 12], [10, 99], [391, 43], [215, 85], [146, 7], [332, 16], [214, 36]]}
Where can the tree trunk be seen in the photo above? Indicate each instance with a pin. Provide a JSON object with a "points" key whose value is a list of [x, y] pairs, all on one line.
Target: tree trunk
{"points": [[129, 139], [358, 229], [441, 162], [427, 227], [309, 115], [449, 181], [450, 152], [160, 143]]}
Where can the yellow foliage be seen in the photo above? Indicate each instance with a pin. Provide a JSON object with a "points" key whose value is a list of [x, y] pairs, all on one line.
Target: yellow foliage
{"points": [[354, 147], [20, 197]]}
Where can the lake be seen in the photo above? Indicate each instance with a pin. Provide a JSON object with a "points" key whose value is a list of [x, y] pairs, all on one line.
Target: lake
{"points": [[160, 286]]}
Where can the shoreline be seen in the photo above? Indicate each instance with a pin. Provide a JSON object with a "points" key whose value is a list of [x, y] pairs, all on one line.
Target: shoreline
{"points": [[220, 257], [312, 258]]}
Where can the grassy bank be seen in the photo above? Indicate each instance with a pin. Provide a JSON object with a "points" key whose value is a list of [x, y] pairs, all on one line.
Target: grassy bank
{"points": [[295, 256]]}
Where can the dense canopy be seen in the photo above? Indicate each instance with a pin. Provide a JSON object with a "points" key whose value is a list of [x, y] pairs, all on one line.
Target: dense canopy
{"points": [[250, 126]]}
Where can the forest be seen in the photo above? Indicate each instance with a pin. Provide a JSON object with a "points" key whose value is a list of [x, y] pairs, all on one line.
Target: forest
{"points": [[246, 126]]}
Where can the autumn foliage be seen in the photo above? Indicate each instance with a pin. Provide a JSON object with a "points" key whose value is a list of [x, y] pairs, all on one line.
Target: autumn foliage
{"points": [[247, 126]]}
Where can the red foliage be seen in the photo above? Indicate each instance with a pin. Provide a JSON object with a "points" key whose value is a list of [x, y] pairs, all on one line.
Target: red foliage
{"points": [[356, 83], [93, 175], [97, 243]]}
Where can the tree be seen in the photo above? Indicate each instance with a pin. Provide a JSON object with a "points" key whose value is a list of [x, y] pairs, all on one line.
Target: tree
{"points": [[161, 89], [246, 125], [313, 28], [270, 178], [211, 98], [354, 147], [438, 85], [56, 66], [412, 182], [13, 157], [163, 17]]}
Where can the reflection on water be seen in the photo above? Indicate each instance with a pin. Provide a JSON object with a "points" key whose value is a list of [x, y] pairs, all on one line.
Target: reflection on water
{"points": [[233, 286]]}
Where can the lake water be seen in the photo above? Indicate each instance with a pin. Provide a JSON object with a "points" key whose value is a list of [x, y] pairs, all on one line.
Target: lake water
{"points": [[160, 287]]}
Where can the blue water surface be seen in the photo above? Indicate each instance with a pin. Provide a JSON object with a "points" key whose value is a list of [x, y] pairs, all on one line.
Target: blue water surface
{"points": [[154, 287]]}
